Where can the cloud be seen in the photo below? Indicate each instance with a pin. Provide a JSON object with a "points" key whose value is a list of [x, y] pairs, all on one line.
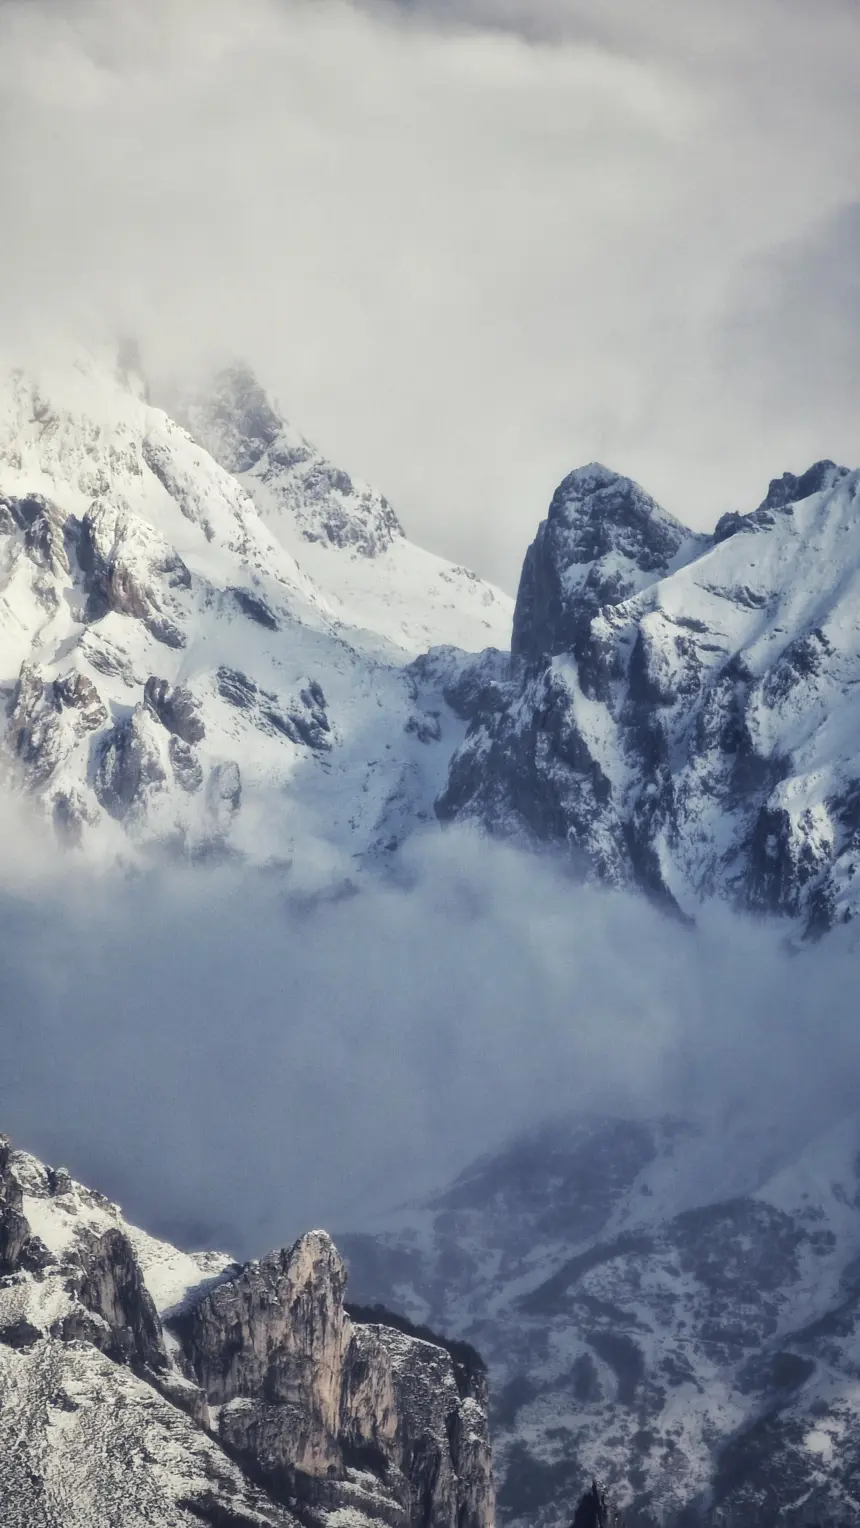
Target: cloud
{"points": [[236, 1063], [469, 244]]}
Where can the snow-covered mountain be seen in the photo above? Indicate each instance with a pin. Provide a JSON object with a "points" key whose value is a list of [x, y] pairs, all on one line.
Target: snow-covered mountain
{"points": [[212, 662], [214, 641], [673, 1309], [683, 712], [143, 1385]]}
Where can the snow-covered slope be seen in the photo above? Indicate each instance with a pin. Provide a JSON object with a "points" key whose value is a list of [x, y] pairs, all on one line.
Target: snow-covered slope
{"points": [[700, 1350], [143, 1385], [684, 712], [345, 534], [173, 676]]}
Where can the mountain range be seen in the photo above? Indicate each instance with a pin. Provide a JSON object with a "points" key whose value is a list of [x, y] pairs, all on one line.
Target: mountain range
{"points": [[215, 646], [213, 641]]}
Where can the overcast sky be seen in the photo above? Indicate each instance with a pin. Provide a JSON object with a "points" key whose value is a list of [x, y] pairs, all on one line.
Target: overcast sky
{"points": [[469, 243]]}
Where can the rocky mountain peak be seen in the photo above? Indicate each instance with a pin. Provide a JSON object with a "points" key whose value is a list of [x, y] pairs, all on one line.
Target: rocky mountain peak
{"points": [[790, 489], [674, 724], [603, 540], [233, 417]]}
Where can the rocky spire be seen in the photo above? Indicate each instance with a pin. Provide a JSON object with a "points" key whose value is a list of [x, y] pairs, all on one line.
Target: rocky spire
{"points": [[604, 539]]}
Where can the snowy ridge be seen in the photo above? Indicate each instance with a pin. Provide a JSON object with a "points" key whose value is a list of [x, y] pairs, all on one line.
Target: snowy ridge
{"points": [[684, 711], [174, 677]]}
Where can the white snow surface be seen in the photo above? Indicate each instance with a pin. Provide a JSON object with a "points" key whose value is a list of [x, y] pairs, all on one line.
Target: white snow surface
{"points": [[327, 735]]}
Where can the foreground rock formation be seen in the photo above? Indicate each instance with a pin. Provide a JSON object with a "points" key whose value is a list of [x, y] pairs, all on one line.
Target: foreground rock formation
{"points": [[139, 1384]]}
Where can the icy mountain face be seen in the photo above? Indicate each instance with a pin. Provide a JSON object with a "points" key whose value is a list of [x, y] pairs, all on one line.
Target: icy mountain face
{"points": [[140, 1384], [700, 1351], [345, 534], [237, 424], [682, 713], [173, 677]]}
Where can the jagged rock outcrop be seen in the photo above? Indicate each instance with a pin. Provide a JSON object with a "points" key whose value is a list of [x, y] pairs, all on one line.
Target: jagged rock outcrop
{"points": [[604, 539], [305, 1396], [129, 764], [176, 709], [235, 421], [110, 1286], [671, 723], [596, 1510], [14, 1230], [47, 718], [130, 569], [266, 1405]]}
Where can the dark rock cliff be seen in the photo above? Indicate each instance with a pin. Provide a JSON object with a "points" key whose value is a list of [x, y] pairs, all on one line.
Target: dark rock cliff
{"points": [[665, 718]]}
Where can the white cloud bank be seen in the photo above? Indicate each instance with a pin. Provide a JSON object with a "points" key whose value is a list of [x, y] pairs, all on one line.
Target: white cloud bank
{"points": [[471, 243]]}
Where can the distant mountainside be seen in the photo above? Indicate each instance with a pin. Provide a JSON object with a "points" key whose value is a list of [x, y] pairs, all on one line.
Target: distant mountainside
{"points": [[673, 1311], [140, 1385]]}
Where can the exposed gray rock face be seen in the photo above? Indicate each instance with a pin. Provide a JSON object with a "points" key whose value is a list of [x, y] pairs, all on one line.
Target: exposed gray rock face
{"points": [[237, 424], [176, 709], [14, 1230], [307, 1397], [596, 1510], [668, 721], [47, 719], [603, 540], [306, 723], [131, 570], [47, 531], [129, 764], [110, 1286], [277, 1409], [789, 489], [236, 416]]}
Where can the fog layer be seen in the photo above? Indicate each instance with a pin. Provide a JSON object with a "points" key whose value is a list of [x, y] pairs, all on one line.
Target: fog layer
{"points": [[237, 1064]]}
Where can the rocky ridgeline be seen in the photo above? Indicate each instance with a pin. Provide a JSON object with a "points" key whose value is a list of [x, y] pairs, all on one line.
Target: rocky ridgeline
{"points": [[680, 712], [201, 634], [250, 1398]]}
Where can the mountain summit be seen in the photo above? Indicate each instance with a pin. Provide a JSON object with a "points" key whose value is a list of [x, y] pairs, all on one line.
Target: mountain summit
{"points": [[178, 669], [213, 641], [684, 710]]}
